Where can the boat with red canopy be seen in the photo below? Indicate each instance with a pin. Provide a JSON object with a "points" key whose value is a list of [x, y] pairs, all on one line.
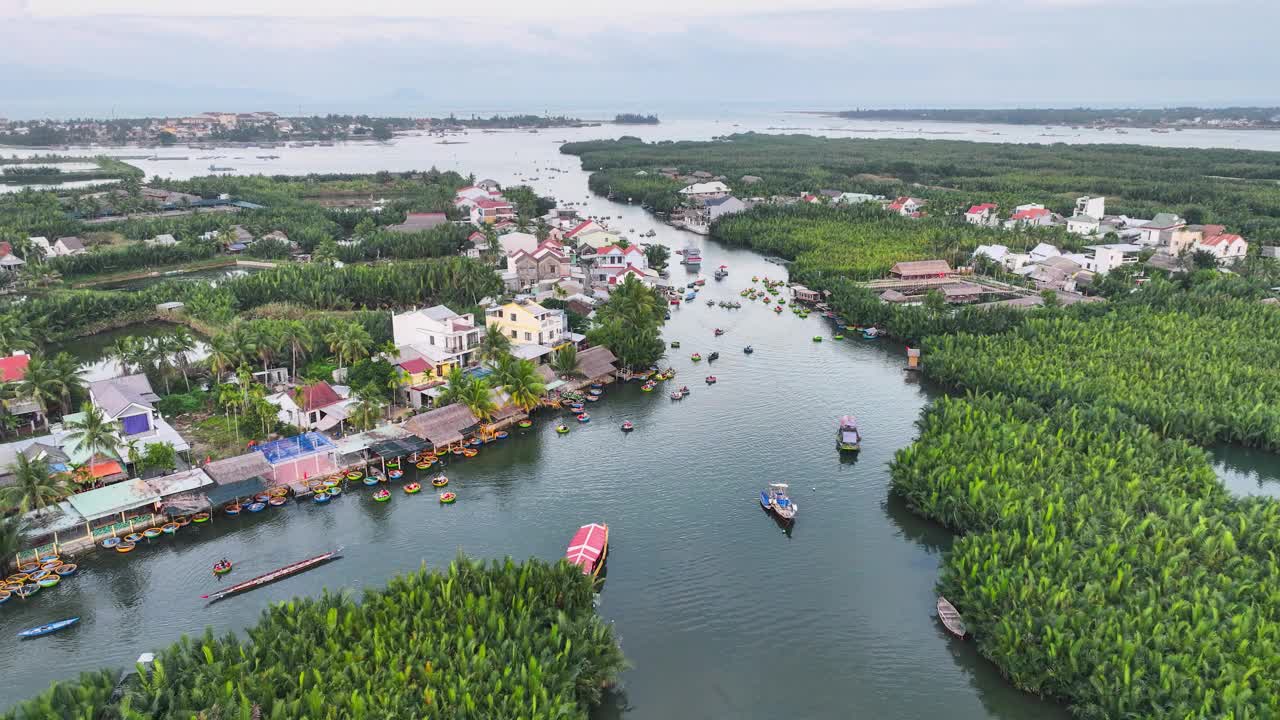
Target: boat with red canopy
{"points": [[588, 548]]}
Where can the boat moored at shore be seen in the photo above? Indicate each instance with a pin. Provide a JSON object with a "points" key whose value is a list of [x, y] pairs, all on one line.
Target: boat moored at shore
{"points": [[589, 548]]}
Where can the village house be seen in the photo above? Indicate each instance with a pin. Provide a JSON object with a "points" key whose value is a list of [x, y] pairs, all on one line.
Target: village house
{"points": [[514, 242], [548, 261], [9, 262], [490, 211], [466, 197], [1159, 229], [477, 244], [438, 334], [1030, 215], [721, 206], [1184, 238], [1226, 248], [592, 243], [41, 243], [490, 186], [12, 370], [1105, 258], [70, 245], [1088, 216], [698, 192], [852, 198], [920, 269], [314, 407], [419, 221], [612, 262], [907, 206], [1083, 225], [984, 214], [129, 402], [527, 322], [586, 227]]}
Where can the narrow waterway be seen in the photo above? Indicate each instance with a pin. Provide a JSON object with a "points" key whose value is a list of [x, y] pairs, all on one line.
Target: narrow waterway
{"points": [[721, 612]]}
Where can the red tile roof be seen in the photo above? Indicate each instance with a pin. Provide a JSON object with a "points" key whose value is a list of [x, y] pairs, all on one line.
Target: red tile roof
{"points": [[1227, 238], [1029, 214], [319, 395], [462, 327], [14, 367], [579, 227], [487, 204], [415, 366], [978, 209]]}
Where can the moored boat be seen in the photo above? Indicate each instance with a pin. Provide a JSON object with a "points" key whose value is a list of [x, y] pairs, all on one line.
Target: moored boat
{"points": [[628, 426], [151, 532], [273, 576], [110, 542], [169, 528], [589, 548], [48, 628], [66, 569], [774, 499], [847, 436], [950, 618], [321, 496]]}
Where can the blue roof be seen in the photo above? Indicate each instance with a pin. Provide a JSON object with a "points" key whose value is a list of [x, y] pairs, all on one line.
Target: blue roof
{"points": [[285, 449]]}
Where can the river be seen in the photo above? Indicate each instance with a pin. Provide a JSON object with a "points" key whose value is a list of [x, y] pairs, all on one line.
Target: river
{"points": [[721, 613]]}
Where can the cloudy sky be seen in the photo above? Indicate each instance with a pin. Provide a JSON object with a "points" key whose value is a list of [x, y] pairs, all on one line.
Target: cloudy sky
{"points": [[131, 57]]}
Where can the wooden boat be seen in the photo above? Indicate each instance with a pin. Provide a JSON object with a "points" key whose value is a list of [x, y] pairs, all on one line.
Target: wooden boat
{"points": [[4, 596], [133, 537], [334, 491], [370, 480], [49, 581], [696, 357], [67, 569], [354, 475], [261, 497], [817, 338], [677, 395], [232, 509], [424, 464], [254, 507], [501, 435], [182, 520], [711, 379], [584, 417], [282, 490], [675, 344], [470, 452], [52, 627], [718, 332], [222, 567], [50, 564], [320, 497], [713, 356], [26, 591], [870, 333], [28, 567], [525, 424], [774, 499], [589, 548], [274, 575], [562, 428], [847, 436], [950, 618], [395, 474], [748, 350]]}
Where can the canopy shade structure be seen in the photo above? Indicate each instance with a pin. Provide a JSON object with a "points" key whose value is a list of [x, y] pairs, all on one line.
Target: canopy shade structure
{"points": [[286, 449], [113, 499], [181, 482], [442, 426], [236, 469], [399, 447], [223, 493]]}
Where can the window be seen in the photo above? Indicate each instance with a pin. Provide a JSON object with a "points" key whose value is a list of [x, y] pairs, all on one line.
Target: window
{"points": [[431, 339], [513, 317], [514, 335], [528, 336]]}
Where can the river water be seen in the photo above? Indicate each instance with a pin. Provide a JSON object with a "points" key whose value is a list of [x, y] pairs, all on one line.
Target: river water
{"points": [[722, 614]]}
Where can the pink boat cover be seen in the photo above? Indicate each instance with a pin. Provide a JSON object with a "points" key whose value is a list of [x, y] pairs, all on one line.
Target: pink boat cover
{"points": [[587, 546]]}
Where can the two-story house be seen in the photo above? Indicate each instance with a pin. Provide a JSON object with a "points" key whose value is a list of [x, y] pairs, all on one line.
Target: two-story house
{"points": [[1225, 247], [907, 206], [129, 402], [487, 211], [984, 214], [439, 334], [548, 261], [527, 322], [612, 261]]}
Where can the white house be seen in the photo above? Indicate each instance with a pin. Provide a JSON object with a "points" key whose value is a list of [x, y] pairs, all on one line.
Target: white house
{"points": [[1226, 247], [315, 407], [129, 401], [705, 190], [1094, 207], [1083, 225], [70, 245], [852, 198], [907, 206], [438, 333], [995, 253], [1044, 251], [1025, 215], [984, 214], [611, 262], [1159, 229], [1105, 258]]}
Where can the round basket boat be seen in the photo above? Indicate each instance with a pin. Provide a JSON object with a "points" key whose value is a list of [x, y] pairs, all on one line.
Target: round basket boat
{"points": [[594, 398], [222, 568], [562, 429], [232, 509], [170, 528], [278, 491], [439, 481], [256, 507], [48, 558], [447, 498], [51, 565], [317, 486], [382, 496], [470, 452], [837, 336], [525, 423], [353, 475], [424, 464], [27, 591], [200, 517], [28, 567], [133, 537], [370, 480], [320, 497], [584, 418], [394, 464], [19, 578], [110, 542], [49, 581], [412, 488], [330, 483], [66, 569], [4, 596], [501, 434], [334, 478], [476, 442], [334, 492], [276, 501], [152, 532], [11, 587], [125, 547], [39, 575], [182, 520], [395, 474], [456, 451], [261, 497]]}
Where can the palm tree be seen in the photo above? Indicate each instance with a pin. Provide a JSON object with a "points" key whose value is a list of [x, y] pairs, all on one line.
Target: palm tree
{"points": [[456, 386], [494, 345], [524, 385], [68, 370], [296, 336], [12, 529], [14, 334], [396, 380], [179, 344], [368, 411], [33, 488], [267, 340], [229, 399], [479, 401], [42, 385], [349, 341], [94, 433], [565, 360], [222, 355]]}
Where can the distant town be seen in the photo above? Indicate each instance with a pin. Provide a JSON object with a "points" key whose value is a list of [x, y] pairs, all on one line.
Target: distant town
{"points": [[269, 127], [1154, 118]]}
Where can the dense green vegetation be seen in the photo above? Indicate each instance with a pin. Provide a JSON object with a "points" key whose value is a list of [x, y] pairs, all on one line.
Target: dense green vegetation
{"points": [[1199, 365], [630, 324], [1102, 565], [635, 119], [499, 641], [1137, 117], [1233, 187]]}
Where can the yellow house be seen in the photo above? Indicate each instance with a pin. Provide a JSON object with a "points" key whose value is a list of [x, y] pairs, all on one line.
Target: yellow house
{"points": [[527, 323]]}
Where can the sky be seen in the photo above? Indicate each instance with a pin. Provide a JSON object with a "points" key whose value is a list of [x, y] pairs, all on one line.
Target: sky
{"points": [[78, 58]]}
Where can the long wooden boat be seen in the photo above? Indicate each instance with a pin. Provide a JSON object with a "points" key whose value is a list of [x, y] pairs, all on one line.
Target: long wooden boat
{"points": [[588, 548], [950, 618], [274, 575]]}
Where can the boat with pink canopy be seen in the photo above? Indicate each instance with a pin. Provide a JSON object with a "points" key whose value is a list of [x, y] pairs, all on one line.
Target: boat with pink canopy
{"points": [[588, 548]]}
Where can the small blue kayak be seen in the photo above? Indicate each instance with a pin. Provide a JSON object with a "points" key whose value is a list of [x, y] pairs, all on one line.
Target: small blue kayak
{"points": [[50, 628]]}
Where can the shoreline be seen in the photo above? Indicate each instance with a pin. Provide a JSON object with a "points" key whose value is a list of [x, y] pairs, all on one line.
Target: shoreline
{"points": [[1080, 126]]}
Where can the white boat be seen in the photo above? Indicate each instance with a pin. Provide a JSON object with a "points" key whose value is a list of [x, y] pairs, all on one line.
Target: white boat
{"points": [[848, 437]]}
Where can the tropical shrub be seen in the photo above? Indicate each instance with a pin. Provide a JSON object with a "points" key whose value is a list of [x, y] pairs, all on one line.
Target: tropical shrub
{"points": [[1102, 565], [503, 640]]}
